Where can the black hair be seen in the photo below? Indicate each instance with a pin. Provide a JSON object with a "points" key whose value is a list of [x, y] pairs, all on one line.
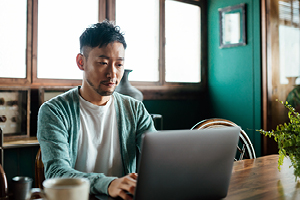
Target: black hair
{"points": [[101, 34]]}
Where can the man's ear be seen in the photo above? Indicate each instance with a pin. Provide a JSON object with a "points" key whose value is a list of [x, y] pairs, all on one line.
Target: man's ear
{"points": [[80, 61]]}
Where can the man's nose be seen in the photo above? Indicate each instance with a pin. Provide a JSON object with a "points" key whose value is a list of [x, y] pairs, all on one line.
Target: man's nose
{"points": [[111, 71]]}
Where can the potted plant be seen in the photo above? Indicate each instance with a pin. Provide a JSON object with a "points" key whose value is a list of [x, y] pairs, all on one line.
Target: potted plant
{"points": [[287, 136]]}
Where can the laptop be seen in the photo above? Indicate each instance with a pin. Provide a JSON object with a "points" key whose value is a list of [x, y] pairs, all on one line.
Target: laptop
{"points": [[185, 164]]}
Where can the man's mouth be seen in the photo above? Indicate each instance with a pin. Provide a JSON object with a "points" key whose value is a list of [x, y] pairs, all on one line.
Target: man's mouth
{"points": [[109, 83]]}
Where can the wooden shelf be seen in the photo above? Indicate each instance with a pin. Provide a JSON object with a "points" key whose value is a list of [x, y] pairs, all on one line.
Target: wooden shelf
{"points": [[16, 143]]}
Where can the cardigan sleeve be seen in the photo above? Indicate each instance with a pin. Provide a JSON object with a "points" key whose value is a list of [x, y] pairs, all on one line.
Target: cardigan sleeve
{"points": [[58, 143], [133, 121], [144, 123]]}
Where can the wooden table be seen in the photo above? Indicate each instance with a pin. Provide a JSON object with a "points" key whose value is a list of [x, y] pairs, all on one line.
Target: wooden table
{"points": [[255, 179], [260, 179]]}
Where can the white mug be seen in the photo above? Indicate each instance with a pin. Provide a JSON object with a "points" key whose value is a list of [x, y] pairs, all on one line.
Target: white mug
{"points": [[65, 189]]}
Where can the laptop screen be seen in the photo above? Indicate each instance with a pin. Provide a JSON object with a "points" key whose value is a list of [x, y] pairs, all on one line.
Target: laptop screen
{"points": [[185, 164]]}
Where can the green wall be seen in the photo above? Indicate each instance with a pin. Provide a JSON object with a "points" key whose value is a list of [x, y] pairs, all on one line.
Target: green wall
{"points": [[234, 74]]}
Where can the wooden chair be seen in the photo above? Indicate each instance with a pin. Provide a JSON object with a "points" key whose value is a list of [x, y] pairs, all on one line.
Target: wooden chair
{"points": [[245, 147], [39, 170]]}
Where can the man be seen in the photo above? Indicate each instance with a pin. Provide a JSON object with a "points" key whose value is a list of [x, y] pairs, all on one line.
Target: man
{"points": [[92, 131]]}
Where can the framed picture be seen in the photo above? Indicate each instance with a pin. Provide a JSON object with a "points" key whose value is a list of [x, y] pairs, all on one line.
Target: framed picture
{"points": [[232, 26]]}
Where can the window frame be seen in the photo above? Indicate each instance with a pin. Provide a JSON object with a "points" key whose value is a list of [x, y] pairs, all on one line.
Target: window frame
{"points": [[151, 90]]}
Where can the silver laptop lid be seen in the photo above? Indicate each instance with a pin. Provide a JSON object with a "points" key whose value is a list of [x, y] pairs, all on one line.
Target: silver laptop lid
{"points": [[186, 164]]}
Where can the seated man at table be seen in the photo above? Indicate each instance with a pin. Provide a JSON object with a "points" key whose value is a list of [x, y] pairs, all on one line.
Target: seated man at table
{"points": [[92, 131]]}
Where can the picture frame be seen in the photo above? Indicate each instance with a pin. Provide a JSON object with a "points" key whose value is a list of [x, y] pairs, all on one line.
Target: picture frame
{"points": [[232, 21]]}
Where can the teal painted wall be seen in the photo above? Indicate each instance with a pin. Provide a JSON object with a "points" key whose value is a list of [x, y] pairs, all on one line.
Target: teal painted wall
{"points": [[234, 74]]}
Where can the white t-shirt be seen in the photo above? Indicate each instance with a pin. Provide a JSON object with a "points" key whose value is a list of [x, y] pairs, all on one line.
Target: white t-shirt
{"points": [[98, 143]]}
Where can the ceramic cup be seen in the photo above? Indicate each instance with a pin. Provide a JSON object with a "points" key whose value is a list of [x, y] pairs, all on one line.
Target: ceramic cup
{"points": [[21, 186], [66, 189]]}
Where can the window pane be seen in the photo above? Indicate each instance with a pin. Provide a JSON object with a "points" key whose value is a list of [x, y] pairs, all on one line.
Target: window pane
{"points": [[139, 20], [13, 15], [60, 24], [183, 53], [289, 48]]}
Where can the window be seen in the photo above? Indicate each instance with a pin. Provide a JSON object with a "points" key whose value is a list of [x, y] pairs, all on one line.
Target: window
{"points": [[182, 27], [289, 41], [13, 32], [177, 58], [142, 37], [57, 38], [40, 40]]}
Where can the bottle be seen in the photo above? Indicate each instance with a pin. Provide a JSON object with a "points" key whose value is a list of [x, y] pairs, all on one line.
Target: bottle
{"points": [[3, 184]]}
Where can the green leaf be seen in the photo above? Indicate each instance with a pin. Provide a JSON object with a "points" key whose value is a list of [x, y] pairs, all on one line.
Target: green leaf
{"points": [[287, 136]]}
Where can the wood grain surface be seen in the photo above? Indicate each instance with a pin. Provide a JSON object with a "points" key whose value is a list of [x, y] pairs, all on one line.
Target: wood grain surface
{"points": [[260, 179]]}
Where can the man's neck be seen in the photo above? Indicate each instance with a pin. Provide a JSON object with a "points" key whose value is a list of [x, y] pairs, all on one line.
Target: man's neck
{"points": [[93, 97]]}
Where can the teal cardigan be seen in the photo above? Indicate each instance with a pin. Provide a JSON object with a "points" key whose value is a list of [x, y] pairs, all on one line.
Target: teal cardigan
{"points": [[58, 128]]}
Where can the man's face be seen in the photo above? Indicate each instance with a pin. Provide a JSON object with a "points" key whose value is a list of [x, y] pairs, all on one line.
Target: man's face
{"points": [[104, 68]]}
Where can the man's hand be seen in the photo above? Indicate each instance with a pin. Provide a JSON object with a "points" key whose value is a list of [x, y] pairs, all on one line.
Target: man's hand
{"points": [[121, 186]]}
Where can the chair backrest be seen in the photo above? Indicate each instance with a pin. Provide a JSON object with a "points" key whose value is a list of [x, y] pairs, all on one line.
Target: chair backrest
{"points": [[39, 170], [245, 147]]}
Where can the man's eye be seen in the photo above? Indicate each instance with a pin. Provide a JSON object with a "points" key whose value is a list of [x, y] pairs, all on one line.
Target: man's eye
{"points": [[103, 63], [119, 64]]}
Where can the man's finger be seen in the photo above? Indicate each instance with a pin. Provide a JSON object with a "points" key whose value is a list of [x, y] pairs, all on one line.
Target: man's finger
{"points": [[124, 195], [128, 184], [128, 188], [122, 186], [133, 175], [129, 180]]}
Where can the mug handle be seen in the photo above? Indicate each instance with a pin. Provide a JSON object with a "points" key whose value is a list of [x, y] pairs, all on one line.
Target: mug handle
{"points": [[37, 193]]}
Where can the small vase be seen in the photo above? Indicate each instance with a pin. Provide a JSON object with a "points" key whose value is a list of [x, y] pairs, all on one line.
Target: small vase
{"points": [[126, 88]]}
